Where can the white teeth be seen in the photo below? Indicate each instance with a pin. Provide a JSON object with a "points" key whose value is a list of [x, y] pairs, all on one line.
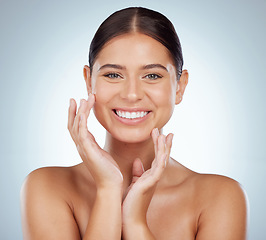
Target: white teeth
{"points": [[131, 115], [128, 115]]}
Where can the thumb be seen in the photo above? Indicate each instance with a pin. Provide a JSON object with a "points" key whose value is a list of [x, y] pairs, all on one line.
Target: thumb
{"points": [[137, 170]]}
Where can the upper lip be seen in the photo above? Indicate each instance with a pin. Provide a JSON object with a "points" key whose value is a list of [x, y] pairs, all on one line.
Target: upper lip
{"points": [[127, 109]]}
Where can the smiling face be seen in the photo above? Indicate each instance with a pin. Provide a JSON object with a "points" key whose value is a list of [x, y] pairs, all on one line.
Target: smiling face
{"points": [[136, 86]]}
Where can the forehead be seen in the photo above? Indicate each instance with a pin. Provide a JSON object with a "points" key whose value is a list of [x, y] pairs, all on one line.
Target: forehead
{"points": [[134, 48]]}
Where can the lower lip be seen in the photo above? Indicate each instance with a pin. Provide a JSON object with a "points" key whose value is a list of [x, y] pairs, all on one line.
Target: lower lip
{"points": [[133, 121]]}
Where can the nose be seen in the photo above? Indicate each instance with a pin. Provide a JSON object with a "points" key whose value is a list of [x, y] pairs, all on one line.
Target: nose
{"points": [[132, 90]]}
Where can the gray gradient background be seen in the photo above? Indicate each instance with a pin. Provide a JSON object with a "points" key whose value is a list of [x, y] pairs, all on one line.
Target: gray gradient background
{"points": [[219, 127]]}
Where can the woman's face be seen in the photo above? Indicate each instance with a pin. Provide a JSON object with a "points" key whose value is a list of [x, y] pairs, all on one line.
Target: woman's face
{"points": [[136, 87]]}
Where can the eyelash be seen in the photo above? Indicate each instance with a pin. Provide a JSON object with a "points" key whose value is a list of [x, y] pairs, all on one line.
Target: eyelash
{"points": [[153, 76], [112, 75]]}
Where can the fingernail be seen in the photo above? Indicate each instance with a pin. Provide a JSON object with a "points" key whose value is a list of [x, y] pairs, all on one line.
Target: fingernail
{"points": [[81, 102], [157, 131], [70, 102]]}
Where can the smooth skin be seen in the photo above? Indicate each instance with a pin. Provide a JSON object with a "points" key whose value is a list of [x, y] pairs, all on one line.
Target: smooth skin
{"points": [[132, 188]]}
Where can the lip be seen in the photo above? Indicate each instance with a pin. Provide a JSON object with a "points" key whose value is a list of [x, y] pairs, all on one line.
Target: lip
{"points": [[132, 109], [134, 121]]}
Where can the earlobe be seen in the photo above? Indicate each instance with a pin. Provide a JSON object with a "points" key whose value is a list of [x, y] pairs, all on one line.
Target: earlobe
{"points": [[181, 86], [87, 78]]}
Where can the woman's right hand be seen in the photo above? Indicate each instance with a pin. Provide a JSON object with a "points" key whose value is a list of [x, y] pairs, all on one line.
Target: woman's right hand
{"points": [[101, 165]]}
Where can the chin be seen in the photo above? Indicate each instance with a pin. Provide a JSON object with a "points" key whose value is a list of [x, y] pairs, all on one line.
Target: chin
{"points": [[131, 135]]}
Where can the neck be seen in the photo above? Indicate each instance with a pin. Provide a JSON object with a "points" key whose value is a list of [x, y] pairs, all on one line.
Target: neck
{"points": [[125, 153]]}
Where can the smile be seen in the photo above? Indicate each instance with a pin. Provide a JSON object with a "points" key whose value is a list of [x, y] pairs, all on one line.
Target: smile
{"points": [[131, 115]]}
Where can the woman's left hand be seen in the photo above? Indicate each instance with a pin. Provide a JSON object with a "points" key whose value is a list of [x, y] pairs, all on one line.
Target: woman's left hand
{"points": [[140, 192]]}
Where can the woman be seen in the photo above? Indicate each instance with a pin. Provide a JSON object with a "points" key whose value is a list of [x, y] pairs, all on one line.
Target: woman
{"points": [[131, 189]]}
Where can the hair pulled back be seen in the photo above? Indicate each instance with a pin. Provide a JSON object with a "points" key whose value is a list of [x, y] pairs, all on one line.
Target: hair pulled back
{"points": [[141, 20]]}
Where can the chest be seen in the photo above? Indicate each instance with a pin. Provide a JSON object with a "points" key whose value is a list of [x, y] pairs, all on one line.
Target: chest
{"points": [[171, 218], [168, 217]]}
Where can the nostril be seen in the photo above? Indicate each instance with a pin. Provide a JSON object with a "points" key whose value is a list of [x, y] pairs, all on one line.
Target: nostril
{"points": [[132, 93]]}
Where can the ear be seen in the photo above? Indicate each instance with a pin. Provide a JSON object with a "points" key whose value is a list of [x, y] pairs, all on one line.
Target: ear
{"points": [[181, 86], [87, 78]]}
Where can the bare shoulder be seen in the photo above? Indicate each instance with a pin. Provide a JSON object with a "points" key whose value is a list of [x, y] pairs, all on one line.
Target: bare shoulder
{"points": [[210, 187], [46, 173], [219, 187], [49, 177], [45, 201], [224, 207], [48, 182], [220, 204]]}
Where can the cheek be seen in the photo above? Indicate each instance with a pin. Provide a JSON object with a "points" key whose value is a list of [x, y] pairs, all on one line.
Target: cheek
{"points": [[163, 96], [164, 101], [105, 92], [101, 98], [101, 113], [102, 92]]}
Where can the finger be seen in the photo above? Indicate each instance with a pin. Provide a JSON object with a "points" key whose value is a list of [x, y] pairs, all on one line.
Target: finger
{"points": [[161, 146], [158, 169], [89, 104], [71, 113], [159, 162], [168, 145], [86, 140], [83, 133], [155, 134], [91, 100], [81, 109], [158, 144], [137, 170], [85, 108], [83, 122], [82, 127]]}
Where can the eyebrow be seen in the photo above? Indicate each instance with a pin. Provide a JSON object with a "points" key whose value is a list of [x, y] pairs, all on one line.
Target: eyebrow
{"points": [[155, 65], [148, 66], [116, 66]]}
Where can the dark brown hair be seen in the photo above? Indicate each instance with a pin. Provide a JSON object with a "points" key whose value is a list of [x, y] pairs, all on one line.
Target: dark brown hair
{"points": [[142, 20]]}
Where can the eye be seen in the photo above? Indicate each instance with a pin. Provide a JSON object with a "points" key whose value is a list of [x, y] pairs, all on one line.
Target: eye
{"points": [[153, 76], [112, 75]]}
